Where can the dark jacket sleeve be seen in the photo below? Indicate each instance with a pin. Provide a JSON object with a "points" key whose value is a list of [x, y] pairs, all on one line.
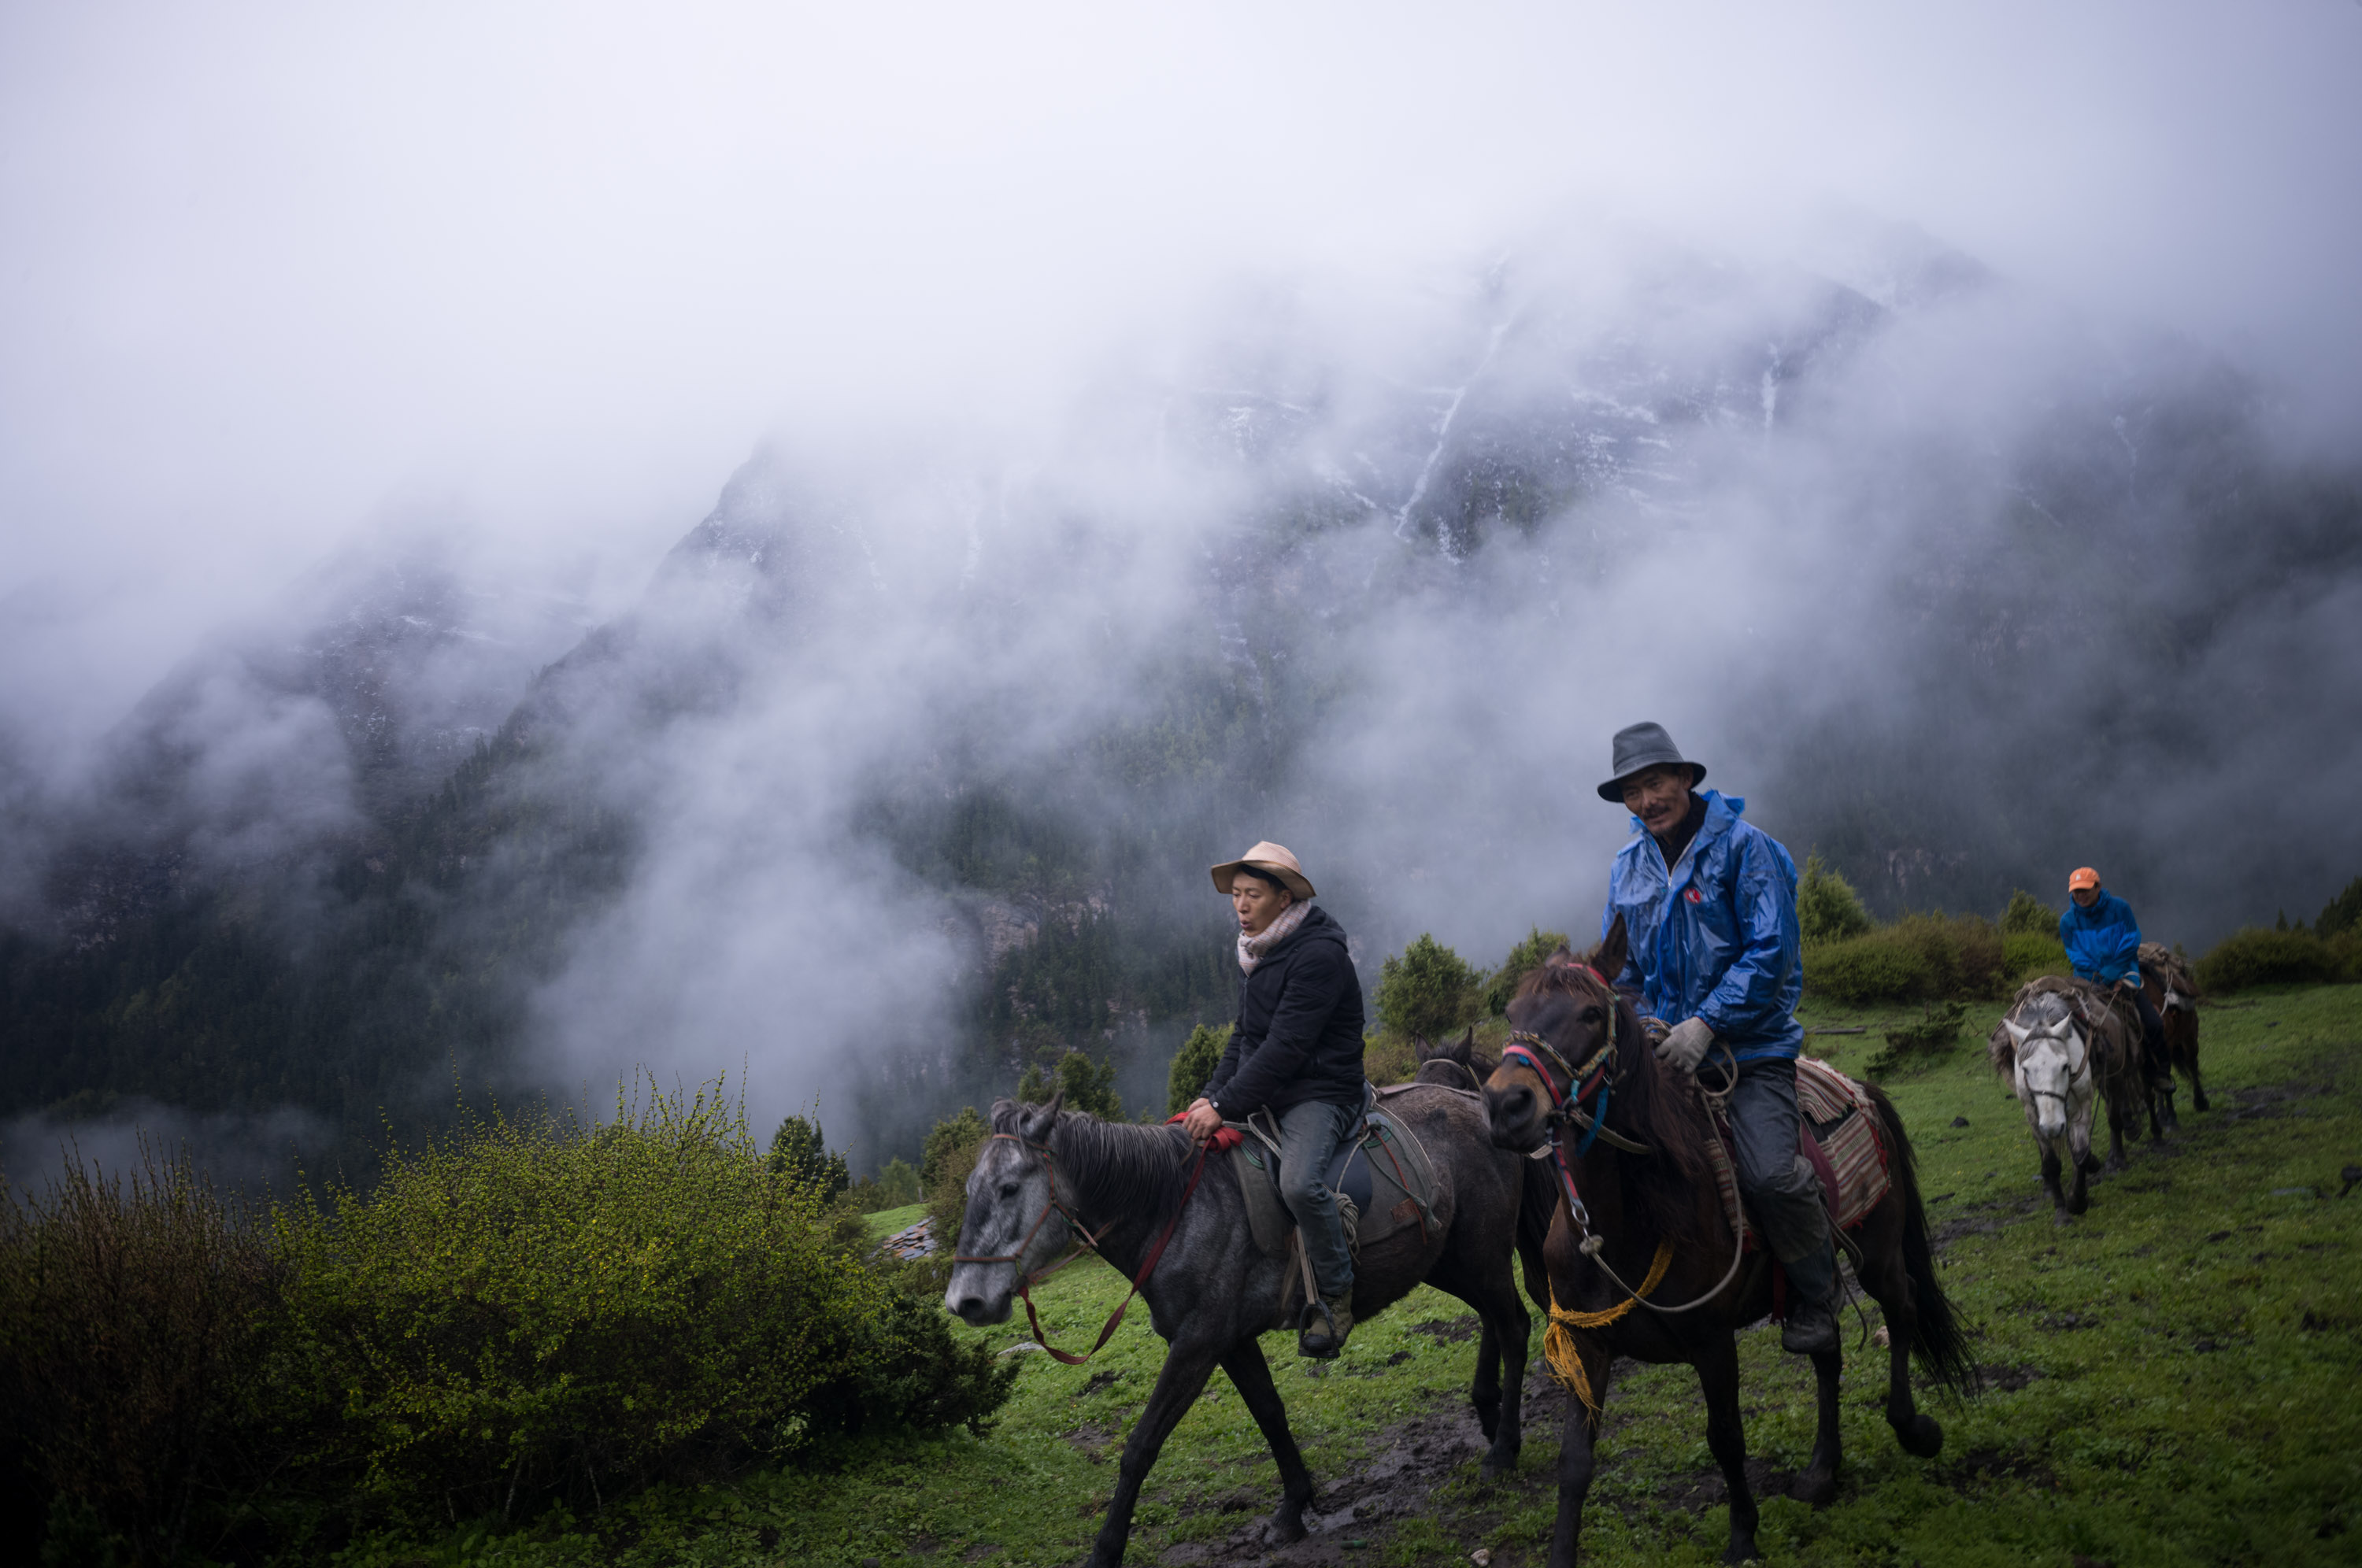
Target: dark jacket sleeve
{"points": [[1225, 1069], [1317, 978]]}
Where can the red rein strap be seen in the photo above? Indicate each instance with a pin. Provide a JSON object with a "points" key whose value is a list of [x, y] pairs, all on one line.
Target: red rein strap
{"points": [[1025, 1282]]}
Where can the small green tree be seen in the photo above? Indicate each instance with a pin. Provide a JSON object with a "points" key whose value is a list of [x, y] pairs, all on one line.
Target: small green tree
{"points": [[1828, 909], [1427, 990], [898, 1184], [1087, 1085], [2028, 914], [2342, 912], [1523, 959], [1194, 1064], [951, 1144], [799, 1153]]}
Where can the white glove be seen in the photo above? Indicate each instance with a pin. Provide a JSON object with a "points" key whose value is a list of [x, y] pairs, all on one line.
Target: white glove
{"points": [[1686, 1047]]}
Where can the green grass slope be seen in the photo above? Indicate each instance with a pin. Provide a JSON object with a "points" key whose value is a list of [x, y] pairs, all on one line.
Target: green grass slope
{"points": [[2175, 1381]]}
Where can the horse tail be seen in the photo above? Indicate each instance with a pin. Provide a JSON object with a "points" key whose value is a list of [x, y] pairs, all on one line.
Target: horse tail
{"points": [[1939, 1340]]}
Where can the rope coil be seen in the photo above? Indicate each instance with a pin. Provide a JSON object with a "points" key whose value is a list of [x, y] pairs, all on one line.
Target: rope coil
{"points": [[1558, 1347]]}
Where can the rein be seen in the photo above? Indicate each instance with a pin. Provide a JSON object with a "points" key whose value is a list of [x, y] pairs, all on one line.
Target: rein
{"points": [[1084, 1242], [1594, 1077]]}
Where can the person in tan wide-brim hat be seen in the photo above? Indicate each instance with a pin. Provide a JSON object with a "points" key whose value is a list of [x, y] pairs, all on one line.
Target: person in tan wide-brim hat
{"points": [[1296, 1053], [1272, 858]]}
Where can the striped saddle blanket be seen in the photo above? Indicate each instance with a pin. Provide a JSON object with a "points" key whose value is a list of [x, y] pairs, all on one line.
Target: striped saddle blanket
{"points": [[1838, 1135]]}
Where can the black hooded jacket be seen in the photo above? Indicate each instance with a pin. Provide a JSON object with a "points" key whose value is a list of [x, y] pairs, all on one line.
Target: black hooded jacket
{"points": [[1298, 1035]]}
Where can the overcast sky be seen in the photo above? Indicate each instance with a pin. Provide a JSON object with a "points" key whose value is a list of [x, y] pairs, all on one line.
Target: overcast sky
{"points": [[273, 273]]}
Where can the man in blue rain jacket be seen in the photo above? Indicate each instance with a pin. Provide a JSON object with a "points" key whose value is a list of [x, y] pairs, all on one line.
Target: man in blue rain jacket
{"points": [[2103, 942], [1709, 908]]}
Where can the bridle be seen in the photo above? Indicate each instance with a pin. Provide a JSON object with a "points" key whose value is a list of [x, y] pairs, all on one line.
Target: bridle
{"points": [[1598, 1075], [1083, 1243]]}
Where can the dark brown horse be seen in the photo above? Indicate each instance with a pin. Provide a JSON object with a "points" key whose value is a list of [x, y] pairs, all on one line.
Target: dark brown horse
{"points": [[2171, 988], [1652, 1220]]}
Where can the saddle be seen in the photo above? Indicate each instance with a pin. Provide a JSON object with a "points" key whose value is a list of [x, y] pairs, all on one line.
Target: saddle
{"points": [[1382, 1179], [1838, 1135], [2172, 974]]}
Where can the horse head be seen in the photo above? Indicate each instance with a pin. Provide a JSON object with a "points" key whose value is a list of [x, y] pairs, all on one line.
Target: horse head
{"points": [[2048, 1056], [1569, 1011], [1016, 1223], [1453, 1064]]}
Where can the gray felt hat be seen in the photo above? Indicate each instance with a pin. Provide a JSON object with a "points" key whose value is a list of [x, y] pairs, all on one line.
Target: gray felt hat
{"points": [[1644, 746]]}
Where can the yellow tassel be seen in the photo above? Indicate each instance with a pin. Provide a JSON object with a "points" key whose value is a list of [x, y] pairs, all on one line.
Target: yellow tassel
{"points": [[1558, 1340]]}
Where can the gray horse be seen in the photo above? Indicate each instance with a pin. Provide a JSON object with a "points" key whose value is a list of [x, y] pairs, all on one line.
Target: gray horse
{"points": [[2041, 1050], [1212, 1293]]}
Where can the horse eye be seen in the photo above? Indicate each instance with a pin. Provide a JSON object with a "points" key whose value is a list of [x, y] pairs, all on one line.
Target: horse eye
{"points": [[1009, 1189]]}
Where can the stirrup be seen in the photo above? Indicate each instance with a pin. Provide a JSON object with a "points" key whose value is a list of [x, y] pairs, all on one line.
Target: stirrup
{"points": [[1322, 1346]]}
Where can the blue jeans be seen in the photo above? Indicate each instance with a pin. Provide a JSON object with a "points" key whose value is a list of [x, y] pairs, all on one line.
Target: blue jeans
{"points": [[1308, 1138]]}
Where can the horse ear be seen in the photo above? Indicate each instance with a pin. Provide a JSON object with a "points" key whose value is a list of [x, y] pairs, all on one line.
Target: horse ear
{"points": [[1613, 952], [2017, 1031], [1463, 1047], [1421, 1051], [1034, 1125]]}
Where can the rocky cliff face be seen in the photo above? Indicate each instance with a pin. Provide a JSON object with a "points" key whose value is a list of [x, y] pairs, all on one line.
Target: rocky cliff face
{"points": [[909, 765]]}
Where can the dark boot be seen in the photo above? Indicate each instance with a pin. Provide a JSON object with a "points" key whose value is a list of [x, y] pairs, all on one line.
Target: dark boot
{"points": [[1812, 1325], [1321, 1331]]}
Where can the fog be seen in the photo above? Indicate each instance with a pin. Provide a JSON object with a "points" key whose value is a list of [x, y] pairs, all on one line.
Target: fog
{"points": [[1035, 316]]}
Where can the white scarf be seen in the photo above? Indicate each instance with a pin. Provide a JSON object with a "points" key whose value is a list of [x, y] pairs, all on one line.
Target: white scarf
{"points": [[1252, 949]]}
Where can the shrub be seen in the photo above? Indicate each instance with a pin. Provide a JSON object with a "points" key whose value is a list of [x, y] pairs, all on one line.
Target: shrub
{"points": [[799, 1153], [1828, 909], [1194, 1064], [1087, 1085], [1870, 968], [1427, 990], [2029, 915], [1523, 959], [896, 1185], [945, 1142], [2345, 953], [2342, 913], [2025, 953], [2259, 956], [133, 1328], [909, 1373], [523, 1308]]}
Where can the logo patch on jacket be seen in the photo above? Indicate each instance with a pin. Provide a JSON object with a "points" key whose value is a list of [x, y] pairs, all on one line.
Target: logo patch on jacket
{"points": [[1695, 897]]}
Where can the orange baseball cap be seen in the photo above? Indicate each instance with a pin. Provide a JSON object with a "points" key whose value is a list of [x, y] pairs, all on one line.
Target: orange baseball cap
{"points": [[2084, 877]]}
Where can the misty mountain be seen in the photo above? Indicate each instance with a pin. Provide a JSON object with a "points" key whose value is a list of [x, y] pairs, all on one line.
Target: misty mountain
{"points": [[906, 769]]}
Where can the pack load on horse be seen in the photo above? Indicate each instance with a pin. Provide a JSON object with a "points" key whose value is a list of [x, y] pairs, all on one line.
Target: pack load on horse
{"points": [[1650, 1252], [1174, 1208], [2104, 943], [1701, 922], [2172, 991]]}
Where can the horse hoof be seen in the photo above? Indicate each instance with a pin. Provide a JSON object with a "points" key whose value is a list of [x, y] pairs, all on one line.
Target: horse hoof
{"points": [[1499, 1462], [1922, 1439], [2059, 1217], [1286, 1526], [1817, 1487], [1741, 1552], [2199, 1102]]}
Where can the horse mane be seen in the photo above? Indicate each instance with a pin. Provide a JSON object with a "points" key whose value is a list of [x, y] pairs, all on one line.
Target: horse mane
{"points": [[1647, 1101], [1126, 1168]]}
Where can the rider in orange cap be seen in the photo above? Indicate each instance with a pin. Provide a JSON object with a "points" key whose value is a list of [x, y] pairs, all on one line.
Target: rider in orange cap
{"points": [[2103, 942]]}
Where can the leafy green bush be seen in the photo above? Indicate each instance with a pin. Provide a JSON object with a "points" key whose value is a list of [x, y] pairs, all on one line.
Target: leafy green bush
{"points": [[520, 1307], [1087, 1085], [2259, 956], [895, 1186], [909, 1373], [945, 1142], [1194, 1064], [1828, 909], [2025, 953], [799, 1153], [1523, 959], [2029, 915], [2342, 913], [1870, 968], [1427, 990], [2345, 953]]}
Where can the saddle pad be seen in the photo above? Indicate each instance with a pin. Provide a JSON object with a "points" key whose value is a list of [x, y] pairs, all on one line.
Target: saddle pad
{"points": [[1384, 1183], [1836, 1116]]}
